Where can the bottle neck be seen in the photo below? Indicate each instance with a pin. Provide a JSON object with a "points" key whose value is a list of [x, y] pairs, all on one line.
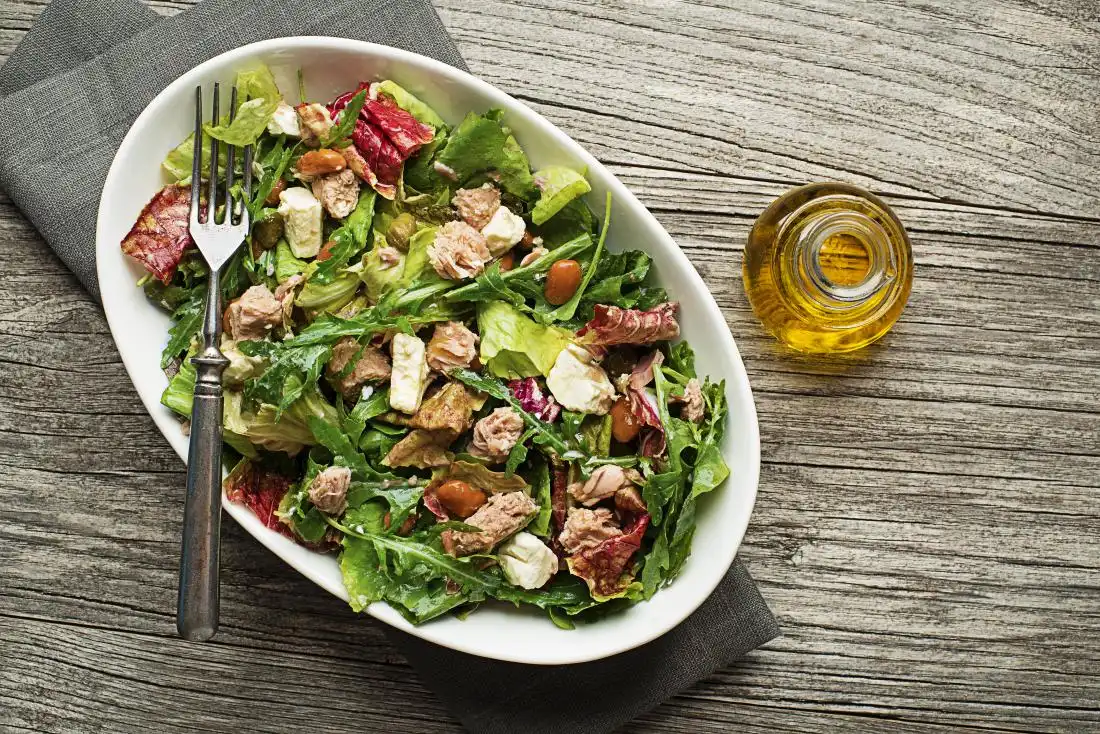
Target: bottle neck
{"points": [[843, 258]]}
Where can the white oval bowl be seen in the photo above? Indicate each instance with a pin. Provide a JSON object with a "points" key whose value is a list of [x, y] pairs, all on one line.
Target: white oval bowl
{"points": [[332, 66]]}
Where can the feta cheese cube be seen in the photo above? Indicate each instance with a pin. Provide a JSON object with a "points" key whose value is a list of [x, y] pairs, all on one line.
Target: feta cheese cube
{"points": [[503, 231], [579, 384], [285, 121], [409, 373], [526, 561], [301, 213]]}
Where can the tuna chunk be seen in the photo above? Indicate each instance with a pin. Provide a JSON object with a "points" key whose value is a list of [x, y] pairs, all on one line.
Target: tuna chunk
{"points": [[459, 251], [496, 434], [477, 206], [452, 345], [328, 491], [604, 482], [693, 402], [585, 529], [502, 516], [338, 193], [254, 314], [372, 365]]}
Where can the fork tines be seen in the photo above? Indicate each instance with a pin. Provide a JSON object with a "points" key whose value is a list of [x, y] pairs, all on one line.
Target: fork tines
{"points": [[204, 220]]}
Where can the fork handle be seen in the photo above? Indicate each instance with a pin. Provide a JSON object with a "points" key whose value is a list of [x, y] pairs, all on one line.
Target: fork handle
{"points": [[197, 606]]}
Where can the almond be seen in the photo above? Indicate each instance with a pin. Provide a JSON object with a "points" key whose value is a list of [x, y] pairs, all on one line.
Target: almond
{"points": [[320, 162]]}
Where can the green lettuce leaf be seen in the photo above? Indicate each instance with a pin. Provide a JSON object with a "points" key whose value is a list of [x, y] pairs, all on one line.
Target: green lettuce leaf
{"points": [[475, 146], [540, 481], [256, 82], [559, 185], [330, 296], [513, 345], [348, 241], [248, 125], [286, 264]]}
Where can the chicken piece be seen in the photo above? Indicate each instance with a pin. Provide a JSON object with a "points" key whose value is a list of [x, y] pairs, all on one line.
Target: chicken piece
{"points": [[532, 256], [450, 409], [337, 192], [605, 481], [693, 402], [585, 529], [315, 123], [500, 517], [357, 164], [452, 345], [329, 490], [371, 365], [254, 314], [477, 206], [629, 499], [422, 449], [459, 251], [496, 434]]}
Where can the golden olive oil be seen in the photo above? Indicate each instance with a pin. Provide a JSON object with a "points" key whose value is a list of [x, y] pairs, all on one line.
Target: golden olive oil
{"points": [[828, 268]]}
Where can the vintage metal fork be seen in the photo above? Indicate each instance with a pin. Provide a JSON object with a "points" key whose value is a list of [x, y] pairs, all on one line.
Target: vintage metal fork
{"points": [[197, 606]]}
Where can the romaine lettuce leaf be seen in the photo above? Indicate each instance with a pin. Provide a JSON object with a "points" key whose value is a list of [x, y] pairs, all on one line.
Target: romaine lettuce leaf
{"points": [[379, 277], [286, 264], [331, 296], [256, 82], [559, 186], [248, 125], [513, 345]]}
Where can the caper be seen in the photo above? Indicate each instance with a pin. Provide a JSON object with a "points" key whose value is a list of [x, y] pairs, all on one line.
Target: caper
{"points": [[401, 229], [267, 231]]}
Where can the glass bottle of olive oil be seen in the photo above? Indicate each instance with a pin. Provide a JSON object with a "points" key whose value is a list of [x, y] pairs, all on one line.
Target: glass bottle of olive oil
{"points": [[828, 268]]}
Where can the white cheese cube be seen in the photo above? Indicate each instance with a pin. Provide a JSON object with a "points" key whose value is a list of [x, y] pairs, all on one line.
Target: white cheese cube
{"points": [[409, 373], [285, 121], [579, 384], [526, 561], [503, 231], [301, 213]]}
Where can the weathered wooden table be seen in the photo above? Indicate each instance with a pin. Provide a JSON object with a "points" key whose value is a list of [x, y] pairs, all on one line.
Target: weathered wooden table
{"points": [[928, 525]]}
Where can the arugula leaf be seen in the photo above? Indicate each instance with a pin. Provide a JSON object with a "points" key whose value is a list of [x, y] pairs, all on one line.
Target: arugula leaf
{"points": [[187, 320], [340, 134], [544, 433], [400, 496], [540, 481], [274, 164], [518, 454], [495, 285], [574, 220], [290, 371]]}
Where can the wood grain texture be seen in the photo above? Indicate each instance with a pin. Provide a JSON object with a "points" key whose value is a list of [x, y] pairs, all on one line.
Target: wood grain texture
{"points": [[927, 529]]}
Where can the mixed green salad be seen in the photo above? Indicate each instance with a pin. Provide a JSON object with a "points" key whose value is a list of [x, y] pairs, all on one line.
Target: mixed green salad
{"points": [[437, 369]]}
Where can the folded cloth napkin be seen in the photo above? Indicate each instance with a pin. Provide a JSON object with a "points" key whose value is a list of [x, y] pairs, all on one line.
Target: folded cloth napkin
{"points": [[70, 92]]}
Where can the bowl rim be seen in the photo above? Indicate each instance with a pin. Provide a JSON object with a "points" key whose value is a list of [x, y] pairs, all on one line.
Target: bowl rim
{"points": [[693, 597]]}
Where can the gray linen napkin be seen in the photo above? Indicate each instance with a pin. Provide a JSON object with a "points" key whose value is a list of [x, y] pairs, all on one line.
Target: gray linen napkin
{"points": [[70, 92]]}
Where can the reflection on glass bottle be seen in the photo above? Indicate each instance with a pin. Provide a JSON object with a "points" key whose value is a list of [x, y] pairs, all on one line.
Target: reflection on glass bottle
{"points": [[828, 268]]}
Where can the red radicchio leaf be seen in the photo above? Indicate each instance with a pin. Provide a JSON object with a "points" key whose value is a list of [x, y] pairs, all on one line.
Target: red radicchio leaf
{"points": [[431, 501], [652, 443], [603, 568], [614, 325], [383, 160], [643, 404], [160, 235], [406, 133], [558, 489], [533, 400], [260, 491]]}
